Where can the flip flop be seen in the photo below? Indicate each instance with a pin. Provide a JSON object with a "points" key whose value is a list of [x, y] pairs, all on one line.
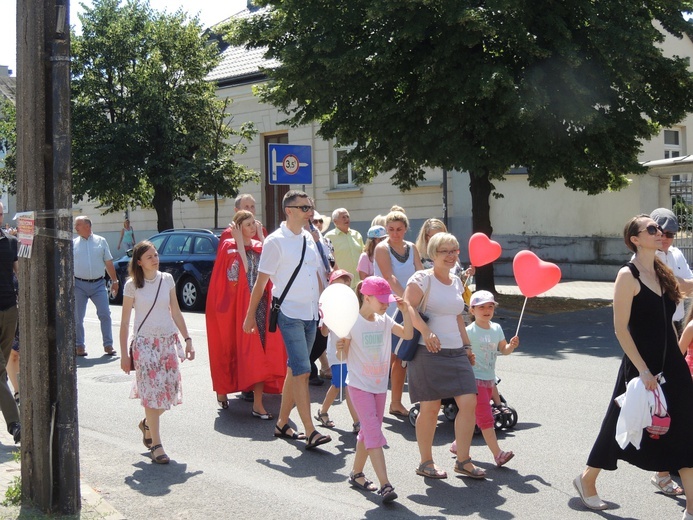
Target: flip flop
{"points": [[397, 413], [314, 442], [366, 486], [427, 469], [476, 473], [281, 433]]}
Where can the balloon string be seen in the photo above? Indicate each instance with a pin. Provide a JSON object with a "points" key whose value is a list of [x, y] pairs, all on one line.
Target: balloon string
{"points": [[341, 380], [521, 313]]}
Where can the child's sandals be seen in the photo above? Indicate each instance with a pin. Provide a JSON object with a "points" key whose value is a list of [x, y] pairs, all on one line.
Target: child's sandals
{"points": [[356, 428], [387, 493], [503, 457], [367, 484], [324, 419]]}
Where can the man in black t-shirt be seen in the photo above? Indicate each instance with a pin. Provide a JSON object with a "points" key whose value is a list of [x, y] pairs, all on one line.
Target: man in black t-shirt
{"points": [[8, 325]]}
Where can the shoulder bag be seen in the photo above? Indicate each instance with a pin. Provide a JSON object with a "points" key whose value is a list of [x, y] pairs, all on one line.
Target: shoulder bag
{"points": [[132, 341], [406, 348], [277, 302]]}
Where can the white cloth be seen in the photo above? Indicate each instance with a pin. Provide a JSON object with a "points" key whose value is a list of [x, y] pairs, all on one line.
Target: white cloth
{"points": [[444, 304], [159, 323], [677, 262], [637, 406], [281, 252], [369, 354]]}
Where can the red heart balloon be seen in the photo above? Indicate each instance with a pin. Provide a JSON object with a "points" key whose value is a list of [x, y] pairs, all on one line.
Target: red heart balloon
{"points": [[533, 275], [483, 250]]}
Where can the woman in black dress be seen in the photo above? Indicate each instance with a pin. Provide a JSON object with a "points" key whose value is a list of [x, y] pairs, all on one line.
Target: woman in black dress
{"points": [[645, 296]]}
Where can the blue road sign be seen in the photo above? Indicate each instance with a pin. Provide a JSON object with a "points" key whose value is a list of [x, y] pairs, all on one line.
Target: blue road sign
{"points": [[290, 164]]}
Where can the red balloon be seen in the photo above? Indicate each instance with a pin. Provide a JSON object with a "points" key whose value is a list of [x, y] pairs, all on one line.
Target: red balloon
{"points": [[483, 250], [533, 275]]}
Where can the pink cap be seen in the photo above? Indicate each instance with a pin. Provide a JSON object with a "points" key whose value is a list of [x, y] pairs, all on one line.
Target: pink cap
{"points": [[378, 287], [339, 273]]}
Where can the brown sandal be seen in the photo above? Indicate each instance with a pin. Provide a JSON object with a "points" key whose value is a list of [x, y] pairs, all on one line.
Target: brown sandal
{"points": [[161, 459], [143, 426]]}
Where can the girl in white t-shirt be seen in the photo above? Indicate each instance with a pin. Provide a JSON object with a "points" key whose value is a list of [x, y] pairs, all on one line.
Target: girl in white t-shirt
{"points": [[367, 350]]}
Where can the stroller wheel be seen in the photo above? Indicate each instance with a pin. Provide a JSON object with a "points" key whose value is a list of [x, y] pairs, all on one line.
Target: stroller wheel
{"points": [[413, 414], [450, 411], [512, 420]]}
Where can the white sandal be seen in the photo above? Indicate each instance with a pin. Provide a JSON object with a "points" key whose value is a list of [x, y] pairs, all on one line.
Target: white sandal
{"points": [[666, 485]]}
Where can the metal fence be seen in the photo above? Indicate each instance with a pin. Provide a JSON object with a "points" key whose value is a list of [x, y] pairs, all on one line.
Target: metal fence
{"points": [[681, 191]]}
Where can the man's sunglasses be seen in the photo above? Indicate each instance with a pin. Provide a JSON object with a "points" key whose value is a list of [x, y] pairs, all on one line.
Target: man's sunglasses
{"points": [[652, 229], [305, 209], [669, 234]]}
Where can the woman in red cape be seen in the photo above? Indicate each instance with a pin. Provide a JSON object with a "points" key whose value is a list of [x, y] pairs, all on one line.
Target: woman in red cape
{"points": [[241, 362]]}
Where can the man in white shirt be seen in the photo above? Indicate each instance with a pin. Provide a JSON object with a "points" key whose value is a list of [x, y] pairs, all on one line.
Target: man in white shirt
{"points": [[92, 257], [298, 317], [672, 256]]}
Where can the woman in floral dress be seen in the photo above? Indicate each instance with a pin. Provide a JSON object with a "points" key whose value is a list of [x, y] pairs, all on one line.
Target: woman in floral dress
{"points": [[156, 347]]}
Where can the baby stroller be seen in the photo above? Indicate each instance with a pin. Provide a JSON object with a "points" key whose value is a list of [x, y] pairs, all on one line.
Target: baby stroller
{"points": [[505, 417]]}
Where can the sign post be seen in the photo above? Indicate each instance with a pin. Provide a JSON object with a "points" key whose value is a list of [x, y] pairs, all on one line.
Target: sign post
{"points": [[290, 164]]}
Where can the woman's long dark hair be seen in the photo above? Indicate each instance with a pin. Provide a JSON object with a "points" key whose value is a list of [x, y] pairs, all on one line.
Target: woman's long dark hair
{"points": [[667, 280]]}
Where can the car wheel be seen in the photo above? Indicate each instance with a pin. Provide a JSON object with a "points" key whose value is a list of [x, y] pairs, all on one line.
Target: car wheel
{"points": [[116, 299], [189, 294]]}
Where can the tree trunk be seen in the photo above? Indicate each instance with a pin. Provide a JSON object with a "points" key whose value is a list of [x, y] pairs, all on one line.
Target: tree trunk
{"points": [[480, 188], [163, 204]]}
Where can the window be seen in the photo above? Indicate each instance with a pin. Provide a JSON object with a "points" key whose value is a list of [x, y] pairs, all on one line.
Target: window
{"points": [[177, 245], [204, 246], [672, 144], [345, 177]]}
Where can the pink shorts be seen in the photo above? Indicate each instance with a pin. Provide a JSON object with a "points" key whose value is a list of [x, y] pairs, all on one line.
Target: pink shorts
{"points": [[370, 409], [484, 414]]}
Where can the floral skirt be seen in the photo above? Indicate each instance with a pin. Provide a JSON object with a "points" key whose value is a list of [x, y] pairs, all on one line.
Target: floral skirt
{"points": [[157, 376]]}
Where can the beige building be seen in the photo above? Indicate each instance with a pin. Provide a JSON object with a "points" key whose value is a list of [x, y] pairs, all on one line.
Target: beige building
{"points": [[581, 233]]}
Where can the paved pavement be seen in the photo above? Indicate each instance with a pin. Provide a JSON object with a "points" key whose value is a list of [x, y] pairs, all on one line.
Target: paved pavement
{"points": [[94, 506]]}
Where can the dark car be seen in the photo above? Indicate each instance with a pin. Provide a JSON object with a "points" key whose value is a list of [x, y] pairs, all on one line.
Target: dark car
{"points": [[188, 255]]}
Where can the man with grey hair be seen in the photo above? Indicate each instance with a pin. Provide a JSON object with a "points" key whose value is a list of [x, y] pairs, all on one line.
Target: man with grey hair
{"points": [[92, 256], [245, 201], [348, 243]]}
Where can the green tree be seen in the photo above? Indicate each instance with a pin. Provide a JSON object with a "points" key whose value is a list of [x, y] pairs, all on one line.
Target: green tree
{"points": [[143, 113], [8, 145], [567, 90]]}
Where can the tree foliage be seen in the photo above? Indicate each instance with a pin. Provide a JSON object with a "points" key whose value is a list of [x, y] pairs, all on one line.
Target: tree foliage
{"points": [[8, 145], [143, 113], [566, 89]]}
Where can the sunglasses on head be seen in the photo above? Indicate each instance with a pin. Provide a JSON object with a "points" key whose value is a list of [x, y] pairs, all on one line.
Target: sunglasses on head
{"points": [[652, 229], [305, 209]]}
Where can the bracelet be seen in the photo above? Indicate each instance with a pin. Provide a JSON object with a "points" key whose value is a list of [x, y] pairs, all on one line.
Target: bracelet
{"points": [[466, 346], [186, 339]]}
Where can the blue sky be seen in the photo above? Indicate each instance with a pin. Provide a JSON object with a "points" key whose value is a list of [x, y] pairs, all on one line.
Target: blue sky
{"points": [[210, 11]]}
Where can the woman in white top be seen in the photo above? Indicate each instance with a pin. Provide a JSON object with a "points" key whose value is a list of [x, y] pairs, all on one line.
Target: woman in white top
{"points": [[442, 366], [155, 344], [396, 260]]}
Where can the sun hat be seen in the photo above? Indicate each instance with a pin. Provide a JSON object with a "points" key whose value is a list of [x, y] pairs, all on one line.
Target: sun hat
{"points": [[378, 287], [325, 221], [481, 297], [339, 273], [666, 219], [376, 232]]}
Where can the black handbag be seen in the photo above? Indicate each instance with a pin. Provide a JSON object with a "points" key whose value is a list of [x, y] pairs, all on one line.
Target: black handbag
{"points": [[277, 302]]}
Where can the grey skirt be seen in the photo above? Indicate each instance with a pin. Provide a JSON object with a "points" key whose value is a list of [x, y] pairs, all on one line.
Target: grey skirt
{"points": [[447, 373]]}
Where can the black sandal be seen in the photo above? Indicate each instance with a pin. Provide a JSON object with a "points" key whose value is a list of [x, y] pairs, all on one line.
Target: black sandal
{"points": [[366, 486], [161, 459], [143, 426], [387, 493], [223, 403], [319, 441], [281, 433]]}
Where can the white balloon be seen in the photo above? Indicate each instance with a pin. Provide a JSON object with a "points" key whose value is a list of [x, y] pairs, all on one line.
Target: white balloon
{"points": [[339, 307]]}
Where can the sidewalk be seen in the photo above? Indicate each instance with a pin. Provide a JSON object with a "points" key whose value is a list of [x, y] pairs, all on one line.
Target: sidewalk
{"points": [[576, 289], [93, 506]]}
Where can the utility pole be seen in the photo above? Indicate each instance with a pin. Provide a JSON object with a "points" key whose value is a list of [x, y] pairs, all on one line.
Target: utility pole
{"points": [[50, 448]]}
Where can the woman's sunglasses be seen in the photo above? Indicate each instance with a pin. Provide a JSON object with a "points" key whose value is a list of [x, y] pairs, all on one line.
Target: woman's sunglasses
{"points": [[317, 221], [652, 229]]}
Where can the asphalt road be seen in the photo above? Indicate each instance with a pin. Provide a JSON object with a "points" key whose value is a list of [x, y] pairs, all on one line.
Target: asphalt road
{"points": [[227, 464]]}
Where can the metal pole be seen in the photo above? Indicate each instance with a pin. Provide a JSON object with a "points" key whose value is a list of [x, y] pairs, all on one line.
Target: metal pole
{"points": [[445, 199]]}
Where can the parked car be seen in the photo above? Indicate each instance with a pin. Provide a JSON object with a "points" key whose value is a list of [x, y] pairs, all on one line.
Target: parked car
{"points": [[188, 255]]}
